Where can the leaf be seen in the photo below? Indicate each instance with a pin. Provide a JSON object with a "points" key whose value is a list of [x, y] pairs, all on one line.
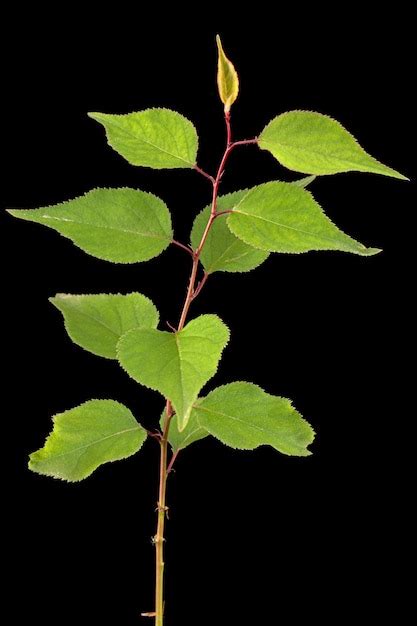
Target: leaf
{"points": [[227, 78], [223, 252], [313, 143], [242, 415], [119, 225], [181, 439], [282, 217], [175, 364], [85, 437], [157, 138], [96, 322]]}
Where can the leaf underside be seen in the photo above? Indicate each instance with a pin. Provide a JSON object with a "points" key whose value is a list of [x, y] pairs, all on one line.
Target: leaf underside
{"points": [[312, 143], [85, 437], [157, 138], [175, 364], [283, 217], [243, 416], [119, 225], [96, 322]]}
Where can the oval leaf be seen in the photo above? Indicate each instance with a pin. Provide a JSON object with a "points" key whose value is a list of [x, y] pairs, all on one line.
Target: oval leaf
{"points": [[243, 416], [227, 78], [283, 217], [96, 322], [157, 138], [118, 225], [313, 143], [175, 364], [223, 251], [85, 437]]}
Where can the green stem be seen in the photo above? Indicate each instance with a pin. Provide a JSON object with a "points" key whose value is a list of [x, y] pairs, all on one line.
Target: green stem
{"points": [[192, 292]]}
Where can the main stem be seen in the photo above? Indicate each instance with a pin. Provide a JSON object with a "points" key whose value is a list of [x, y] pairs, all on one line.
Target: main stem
{"points": [[192, 292]]}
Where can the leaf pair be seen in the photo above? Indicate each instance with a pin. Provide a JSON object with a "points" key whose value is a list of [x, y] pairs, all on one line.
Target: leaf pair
{"points": [[240, 415], [124, 327], [303, 141]]}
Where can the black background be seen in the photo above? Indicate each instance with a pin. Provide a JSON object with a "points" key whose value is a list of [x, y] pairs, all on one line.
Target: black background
{"points": [[255, 536]]}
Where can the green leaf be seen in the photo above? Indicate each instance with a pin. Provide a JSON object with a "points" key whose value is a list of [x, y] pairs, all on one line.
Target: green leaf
{"points": [[227, 78], [119, 225], [85, 437], [157, 138], [242, 415], [181, 439], [282, 217], [313, 143], [223, 252], [96, 322], [175, 364]]}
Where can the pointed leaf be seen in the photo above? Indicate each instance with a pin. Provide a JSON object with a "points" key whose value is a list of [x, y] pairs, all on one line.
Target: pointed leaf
{"points": [[312, 143], [85, 437], [223, 252], [182, 439], [227, 78], [157, 138], [96, 322], [175, 364], [282, 217], [304, 182], [243, 416], [119, 225]]}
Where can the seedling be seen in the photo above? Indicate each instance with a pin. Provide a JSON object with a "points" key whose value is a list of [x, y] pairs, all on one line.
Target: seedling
{"points": [[234, 233]]}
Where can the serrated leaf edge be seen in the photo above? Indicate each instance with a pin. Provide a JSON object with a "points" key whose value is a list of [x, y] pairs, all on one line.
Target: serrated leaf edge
{"points": [[290, 403], [93, 115], [73, 295], [395, 173], [156, 390], [15, 213], [367, 251], [56, 415]]}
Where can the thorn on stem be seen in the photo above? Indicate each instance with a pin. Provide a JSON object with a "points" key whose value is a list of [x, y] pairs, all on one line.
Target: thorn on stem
{"points": [[156, 539], [160, 508]]}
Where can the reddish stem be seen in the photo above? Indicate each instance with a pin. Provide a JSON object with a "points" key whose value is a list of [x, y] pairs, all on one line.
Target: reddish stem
{"points": [[220, 213], [183, 246], [200, 285], [203, 173], [192, 293], [228, 128], [172, 461]]}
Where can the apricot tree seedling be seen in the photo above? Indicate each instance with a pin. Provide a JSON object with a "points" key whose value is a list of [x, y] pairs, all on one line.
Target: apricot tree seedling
{"points": [[234, 233]]}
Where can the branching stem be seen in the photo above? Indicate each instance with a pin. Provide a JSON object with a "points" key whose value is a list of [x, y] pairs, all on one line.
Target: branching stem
{"points": [[192, 292]]}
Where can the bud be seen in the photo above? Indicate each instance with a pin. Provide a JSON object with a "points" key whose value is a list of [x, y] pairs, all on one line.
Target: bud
{"points": [[227, 78]]}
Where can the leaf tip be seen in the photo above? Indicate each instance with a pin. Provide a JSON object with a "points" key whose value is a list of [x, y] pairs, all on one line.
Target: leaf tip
{"points": [[95, 116], [372, 251], [13, 212]]}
